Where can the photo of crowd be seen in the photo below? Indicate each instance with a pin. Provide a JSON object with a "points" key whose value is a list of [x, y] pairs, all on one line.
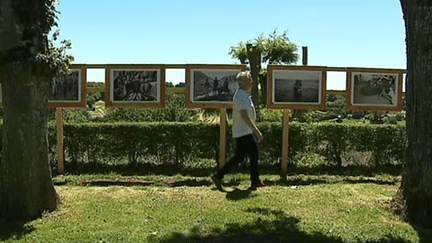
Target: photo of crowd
{"points": [[135, 85], [66, 87]]}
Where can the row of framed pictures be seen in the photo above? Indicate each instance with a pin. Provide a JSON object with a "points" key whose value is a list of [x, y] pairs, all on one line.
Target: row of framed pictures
{"points": [[304, 87], [213, 86]]}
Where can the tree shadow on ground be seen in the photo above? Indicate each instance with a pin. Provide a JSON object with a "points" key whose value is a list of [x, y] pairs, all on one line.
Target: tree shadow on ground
{"points": [[202, 170], [425, 235], [14, 230], [284, 228], [238, 194]]}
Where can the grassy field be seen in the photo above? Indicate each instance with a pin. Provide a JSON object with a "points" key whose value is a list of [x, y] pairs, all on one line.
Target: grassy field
{"points": [[319, 212]]}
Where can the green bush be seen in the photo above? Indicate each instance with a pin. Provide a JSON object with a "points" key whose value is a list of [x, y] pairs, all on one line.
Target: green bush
{"points": [[178, 143], [174, 111], [390, 120], [76, 116], [174, 144], [164, 143], [269, 115]]}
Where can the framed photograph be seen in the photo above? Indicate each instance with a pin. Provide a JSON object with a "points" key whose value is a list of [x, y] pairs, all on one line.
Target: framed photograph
{"points": [[374, 89], [68, 90], [135, 86], [211, 86], [296, 87]]}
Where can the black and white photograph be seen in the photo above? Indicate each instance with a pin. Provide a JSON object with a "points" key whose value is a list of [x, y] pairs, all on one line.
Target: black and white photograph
{"points": [[211, 86], [66, 88], [370, 89], [374, 89], [135, 85], [214, 85], [297, 87]]}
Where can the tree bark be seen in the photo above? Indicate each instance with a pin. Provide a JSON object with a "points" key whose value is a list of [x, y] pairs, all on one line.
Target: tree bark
{"points": [[26, 188], [416, 187], [26, 185], [254, 57]]}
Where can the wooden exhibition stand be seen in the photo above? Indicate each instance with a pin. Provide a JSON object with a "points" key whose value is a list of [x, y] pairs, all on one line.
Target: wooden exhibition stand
{"points": [[223, 122]]}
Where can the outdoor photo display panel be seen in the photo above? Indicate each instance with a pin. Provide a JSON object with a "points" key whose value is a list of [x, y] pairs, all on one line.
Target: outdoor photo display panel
{"points": [[136, 86], [211, 86], [68, 90], [374, 89], [296, 87]]}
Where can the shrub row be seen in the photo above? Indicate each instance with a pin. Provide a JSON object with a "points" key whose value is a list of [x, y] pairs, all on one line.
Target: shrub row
{"points": [[172, 144], [177, 143]]}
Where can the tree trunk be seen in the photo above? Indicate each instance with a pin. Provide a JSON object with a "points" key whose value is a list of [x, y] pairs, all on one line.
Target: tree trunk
{"points": [[416, 187], [26, 188], [254, 57], [26, 184]]}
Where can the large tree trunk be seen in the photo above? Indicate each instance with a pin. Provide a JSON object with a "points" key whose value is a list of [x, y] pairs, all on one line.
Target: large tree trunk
{"points": [[26, 185], [416, 185], [26, 188]]}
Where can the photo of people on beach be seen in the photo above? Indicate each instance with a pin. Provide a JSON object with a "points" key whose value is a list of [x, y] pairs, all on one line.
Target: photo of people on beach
{"points": [[297, 86], [213, 85]]}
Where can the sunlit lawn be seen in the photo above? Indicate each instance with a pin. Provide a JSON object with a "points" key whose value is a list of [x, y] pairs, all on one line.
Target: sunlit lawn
{"points": [[336, 212]]}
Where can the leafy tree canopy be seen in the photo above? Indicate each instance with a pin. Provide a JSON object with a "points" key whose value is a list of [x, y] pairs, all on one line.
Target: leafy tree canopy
{"points": [[37, 21], [275, 49]]}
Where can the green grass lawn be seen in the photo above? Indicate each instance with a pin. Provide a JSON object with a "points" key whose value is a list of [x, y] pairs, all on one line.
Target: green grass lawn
{"points": [[322, 212]]}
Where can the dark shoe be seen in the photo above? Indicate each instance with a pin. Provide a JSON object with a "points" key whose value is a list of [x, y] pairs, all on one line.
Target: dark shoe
{"points": [[218, 183], [254, 186]]}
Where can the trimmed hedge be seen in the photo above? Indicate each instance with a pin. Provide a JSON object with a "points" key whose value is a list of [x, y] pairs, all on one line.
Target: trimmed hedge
{"points": [[176, 143], [170, 143], [179, 143]]}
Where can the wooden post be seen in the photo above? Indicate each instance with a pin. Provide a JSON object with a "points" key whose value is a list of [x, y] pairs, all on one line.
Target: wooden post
{"points": [[223, 129], [285, 143], [60, 150], [305, 55]]}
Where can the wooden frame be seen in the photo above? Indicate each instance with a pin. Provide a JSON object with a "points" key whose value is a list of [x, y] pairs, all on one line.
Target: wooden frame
{"points": [[204, 88], [135, 86], [69, 90], [371, 89], [296, 87]]}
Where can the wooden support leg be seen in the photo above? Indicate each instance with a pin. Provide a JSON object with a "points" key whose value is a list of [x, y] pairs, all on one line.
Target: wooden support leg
{"points": [[60, 149], [223, 129], [285, 144]]}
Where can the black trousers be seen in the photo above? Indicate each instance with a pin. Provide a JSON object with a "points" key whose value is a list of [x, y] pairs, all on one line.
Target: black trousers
{"points": [[244, 145]]}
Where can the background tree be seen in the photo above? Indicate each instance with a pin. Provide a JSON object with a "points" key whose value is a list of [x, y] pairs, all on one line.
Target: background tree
{"points": [[28, 61], [415, 193], [272, 49]]}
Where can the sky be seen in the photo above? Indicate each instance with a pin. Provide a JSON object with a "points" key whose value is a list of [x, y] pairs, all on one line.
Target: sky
{"points": [[338, 33]]}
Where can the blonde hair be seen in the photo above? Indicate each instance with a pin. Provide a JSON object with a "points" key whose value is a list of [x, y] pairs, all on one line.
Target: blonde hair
{"points": [[243, 75]]}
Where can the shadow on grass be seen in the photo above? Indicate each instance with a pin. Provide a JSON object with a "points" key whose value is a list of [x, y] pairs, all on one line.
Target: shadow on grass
{"points": [[14, 230], [284, 228], [425, 235], [142, 169], [238, 194]]}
